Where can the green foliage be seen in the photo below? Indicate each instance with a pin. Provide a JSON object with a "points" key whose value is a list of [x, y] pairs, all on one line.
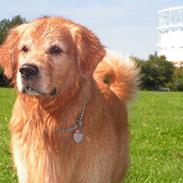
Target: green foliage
{"points": [[157, 72], [178, 79], [1, 71], [6, 25]]}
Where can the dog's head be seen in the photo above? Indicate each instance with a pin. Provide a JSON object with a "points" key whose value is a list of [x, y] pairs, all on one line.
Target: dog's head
{"points": [[48, 54]]}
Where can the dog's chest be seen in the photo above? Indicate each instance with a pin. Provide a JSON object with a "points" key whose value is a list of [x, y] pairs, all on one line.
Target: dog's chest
{"points": [[35, 163]]}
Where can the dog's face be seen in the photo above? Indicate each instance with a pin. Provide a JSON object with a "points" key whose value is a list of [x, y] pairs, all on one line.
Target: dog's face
{"points": [[47, 55]]}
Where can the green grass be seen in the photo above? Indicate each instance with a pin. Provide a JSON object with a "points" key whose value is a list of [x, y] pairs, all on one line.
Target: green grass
{"points": [[7, 97], [156, 126]]}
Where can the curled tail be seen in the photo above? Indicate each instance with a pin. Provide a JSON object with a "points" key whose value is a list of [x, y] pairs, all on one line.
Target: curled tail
{"points": [[120, 75]]}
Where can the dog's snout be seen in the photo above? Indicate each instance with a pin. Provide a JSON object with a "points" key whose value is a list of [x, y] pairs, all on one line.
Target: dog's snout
{"points": [[28, 71]]}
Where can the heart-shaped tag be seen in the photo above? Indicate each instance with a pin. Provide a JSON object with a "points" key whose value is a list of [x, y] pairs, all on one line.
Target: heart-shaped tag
{"points": [[78, 137]]}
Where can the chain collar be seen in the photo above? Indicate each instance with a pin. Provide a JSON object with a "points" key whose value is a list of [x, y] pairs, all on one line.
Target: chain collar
{"points": [[78, 123]]}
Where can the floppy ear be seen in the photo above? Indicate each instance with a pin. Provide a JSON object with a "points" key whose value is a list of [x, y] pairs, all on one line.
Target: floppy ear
{"points": [[89, 51], [9, 53]]}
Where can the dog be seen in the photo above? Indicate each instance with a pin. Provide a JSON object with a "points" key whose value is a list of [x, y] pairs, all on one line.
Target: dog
{"points": [[69, 122]]}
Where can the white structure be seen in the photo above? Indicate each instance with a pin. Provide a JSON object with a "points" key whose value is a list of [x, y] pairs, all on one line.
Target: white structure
{"points": [[171, 34]]}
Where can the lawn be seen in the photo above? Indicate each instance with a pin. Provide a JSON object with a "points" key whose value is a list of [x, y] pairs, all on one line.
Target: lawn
{"points": [[156, 148], [7, 97]]}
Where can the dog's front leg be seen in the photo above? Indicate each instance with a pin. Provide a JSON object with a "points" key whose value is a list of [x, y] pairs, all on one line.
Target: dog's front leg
{"points": [[20, 166]]}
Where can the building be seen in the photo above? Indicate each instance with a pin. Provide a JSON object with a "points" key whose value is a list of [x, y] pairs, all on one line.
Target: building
{"points": [[171, 35]]}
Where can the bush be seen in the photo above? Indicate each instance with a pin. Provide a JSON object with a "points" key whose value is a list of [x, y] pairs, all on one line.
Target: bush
{"points": [[177, 83]]}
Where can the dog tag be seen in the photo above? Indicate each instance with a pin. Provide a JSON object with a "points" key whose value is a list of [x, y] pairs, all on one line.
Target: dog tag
{"points": [[78, 136]]}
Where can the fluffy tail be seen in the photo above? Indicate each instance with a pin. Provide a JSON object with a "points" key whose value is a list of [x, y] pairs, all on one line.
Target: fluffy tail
{"points": [[121, 75]]}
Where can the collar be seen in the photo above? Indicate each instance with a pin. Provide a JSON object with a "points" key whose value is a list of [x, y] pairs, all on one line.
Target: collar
{"points": [[77, 126]]}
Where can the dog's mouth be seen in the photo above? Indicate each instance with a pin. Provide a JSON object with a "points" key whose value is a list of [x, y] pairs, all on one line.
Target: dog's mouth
{"points": [[33, 92]]}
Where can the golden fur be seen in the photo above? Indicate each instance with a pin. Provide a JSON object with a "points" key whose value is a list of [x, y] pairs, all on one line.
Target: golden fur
{"points": [[40, 153]]}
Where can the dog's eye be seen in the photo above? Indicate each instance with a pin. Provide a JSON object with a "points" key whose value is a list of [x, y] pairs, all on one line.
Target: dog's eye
{"points": [[55, 50], [25, 49]]}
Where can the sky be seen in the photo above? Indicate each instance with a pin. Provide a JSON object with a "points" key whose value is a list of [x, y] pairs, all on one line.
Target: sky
{"points": [[125, 26]]}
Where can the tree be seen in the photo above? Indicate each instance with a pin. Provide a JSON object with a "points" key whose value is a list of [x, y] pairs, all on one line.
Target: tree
{"points": [[157, 72], [6, 24]]}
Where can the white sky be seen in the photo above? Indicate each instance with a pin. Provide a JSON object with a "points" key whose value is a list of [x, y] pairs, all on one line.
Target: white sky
{"points": [[126, 26]]}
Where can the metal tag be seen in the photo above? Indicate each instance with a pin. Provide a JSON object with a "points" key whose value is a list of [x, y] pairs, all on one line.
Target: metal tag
{"points": [[78, 136]]}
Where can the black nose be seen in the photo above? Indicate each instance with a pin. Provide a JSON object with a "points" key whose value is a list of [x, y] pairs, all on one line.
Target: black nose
{"points": [[28, 71]]}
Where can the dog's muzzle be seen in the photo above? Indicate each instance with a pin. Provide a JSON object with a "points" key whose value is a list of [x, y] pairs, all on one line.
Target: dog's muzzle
{"points": [[30, 74]]}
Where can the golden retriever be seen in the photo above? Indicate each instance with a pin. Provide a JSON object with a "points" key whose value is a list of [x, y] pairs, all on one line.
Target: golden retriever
{"points": [[69, 121]]}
